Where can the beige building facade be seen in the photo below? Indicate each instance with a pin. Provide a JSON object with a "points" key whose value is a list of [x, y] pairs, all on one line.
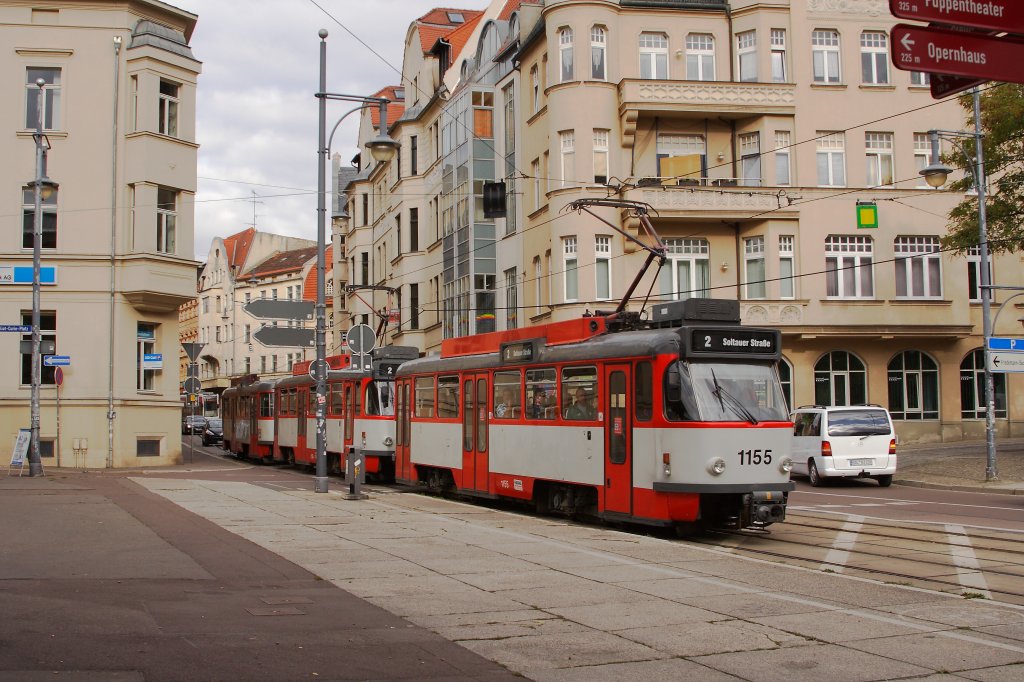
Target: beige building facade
{"points": [[119, 116], [753, 131]]}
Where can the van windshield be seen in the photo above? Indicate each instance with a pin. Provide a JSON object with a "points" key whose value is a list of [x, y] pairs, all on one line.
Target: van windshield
{"points": [[858, 423]]}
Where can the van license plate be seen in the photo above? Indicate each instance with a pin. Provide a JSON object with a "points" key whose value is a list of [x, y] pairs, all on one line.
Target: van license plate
{"points": [[861, 462]]}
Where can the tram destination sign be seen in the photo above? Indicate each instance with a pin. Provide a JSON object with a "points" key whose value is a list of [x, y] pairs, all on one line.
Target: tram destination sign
{"points": [[519, 351], [971, 55], [998, 15], [739, 341]]}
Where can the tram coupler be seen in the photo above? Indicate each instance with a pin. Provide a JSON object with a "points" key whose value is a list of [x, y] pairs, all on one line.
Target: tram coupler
{"points": [[355, 475], [765, 506]]}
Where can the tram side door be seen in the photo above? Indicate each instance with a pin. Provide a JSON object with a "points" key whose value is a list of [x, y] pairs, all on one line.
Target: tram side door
{"points": [[254, 414], [618, 462], [302, 396], [475, 466], [403, 429]]}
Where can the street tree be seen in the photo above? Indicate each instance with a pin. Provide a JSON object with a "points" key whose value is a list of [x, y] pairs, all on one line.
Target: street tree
{"points": [[1002, 122]]}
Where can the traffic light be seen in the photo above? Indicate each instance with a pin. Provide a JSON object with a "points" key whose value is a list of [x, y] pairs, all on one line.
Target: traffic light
{"points": [[494, 200]]}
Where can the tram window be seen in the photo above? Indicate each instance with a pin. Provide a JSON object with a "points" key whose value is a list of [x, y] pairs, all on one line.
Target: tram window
{"points": [[507, 395], [540, 392], [579, 393], [358, 397], [380, 399], [424, 396], [467, 417], [448, 397], [644, 391], [335, 401], [678, 394], [266, 404]]}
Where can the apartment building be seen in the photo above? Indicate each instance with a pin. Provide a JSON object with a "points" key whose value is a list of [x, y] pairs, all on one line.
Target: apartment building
{"points": [[240, 268], [118, 114], [753, 131]]}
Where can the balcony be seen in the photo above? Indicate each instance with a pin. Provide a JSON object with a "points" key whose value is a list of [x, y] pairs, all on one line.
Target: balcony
{"points": [[720, 198]]}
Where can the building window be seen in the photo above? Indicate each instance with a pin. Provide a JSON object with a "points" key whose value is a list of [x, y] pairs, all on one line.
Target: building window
{"points": [[783, 174], [247, 338], [48, 238], [753, 252], [568, 147], [918, 267], [787, 268], [603, 266], [364, 267], [511, 299], [571, 290], [687, 272], [47, 337], [217, 336], [414, 229], [874, 57], [922, 157], [565, 48], [778, 40], [51, 97], [750, 159], [146, 343], [974, 273], [913, 386], [535, 172], [972, 388], [700, 57], [414, 155], [168, 124], [849, 267], [598, 49], [166, 219], [878, 148], [510, 158], [840, 379], [825, 56], [535, 87], [414, 306], [920, 79], [653, 56], [538, 276], [682, 157], [746, 53], [601, 156], [147, 447], [483, 115], [831, 156], [786, 379]]}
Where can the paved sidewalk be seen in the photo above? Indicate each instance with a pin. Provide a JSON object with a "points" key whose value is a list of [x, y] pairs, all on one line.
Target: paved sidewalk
{"points": [[961, 466]]}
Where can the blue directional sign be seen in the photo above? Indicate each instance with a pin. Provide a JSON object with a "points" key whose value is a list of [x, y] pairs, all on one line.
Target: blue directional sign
{"points": [[57, 360], [20, 328], [22, 274], [1005, 343]]}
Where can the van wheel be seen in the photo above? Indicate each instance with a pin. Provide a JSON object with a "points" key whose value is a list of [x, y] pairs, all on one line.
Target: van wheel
{"points": [[884, 481], [813, 475]]}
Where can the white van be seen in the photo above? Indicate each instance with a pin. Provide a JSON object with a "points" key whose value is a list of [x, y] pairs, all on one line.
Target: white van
{"points": [[853, 441]]}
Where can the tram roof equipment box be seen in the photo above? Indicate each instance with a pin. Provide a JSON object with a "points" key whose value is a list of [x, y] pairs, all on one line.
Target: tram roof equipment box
{"points": [[675, 313]]}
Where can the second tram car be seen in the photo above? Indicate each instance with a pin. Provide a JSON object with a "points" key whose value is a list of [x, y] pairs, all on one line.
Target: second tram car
{"points": [[248, 417], [677, 422]]}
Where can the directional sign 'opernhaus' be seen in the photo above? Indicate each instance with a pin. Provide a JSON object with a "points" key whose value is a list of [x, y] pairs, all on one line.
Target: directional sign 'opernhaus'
{"points": [[935, 50]]}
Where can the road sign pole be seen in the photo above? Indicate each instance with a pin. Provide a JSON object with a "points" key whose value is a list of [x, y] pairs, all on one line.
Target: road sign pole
{"points": [[320, 482]]}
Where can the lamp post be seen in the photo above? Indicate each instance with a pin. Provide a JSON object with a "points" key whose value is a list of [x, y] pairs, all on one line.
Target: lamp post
{"points": [[382, 148], [935, 174], [43, 188]]}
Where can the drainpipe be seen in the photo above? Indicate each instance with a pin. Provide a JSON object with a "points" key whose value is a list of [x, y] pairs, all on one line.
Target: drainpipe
{"points": [[732, 45], [113, 251]]}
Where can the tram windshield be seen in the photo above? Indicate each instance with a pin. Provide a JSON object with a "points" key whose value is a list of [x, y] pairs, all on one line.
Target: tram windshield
{"points": [[380, 397], [724, 391]]}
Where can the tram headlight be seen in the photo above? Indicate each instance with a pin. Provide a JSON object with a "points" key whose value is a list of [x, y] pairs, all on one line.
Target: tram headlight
{"points": [[716, 467], [786, 465], [388, 441]]}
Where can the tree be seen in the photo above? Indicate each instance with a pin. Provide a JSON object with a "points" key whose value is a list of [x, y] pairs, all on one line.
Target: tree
{"points": [[1002, 123]]}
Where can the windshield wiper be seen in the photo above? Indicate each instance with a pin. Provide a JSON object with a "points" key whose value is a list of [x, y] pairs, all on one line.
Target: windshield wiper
{"points": [[736, 403]]}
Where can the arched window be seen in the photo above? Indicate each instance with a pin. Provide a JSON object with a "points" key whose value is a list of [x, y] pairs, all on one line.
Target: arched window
{"points": [[972, 388], [598, 45], [840, 379], [565, 47], [913, 386], [786, 379]]}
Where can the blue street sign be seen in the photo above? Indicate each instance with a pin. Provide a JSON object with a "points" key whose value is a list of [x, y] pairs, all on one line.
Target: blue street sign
{"points": [[22, 274], [1005, 343], [57, 360], [20, 328]]}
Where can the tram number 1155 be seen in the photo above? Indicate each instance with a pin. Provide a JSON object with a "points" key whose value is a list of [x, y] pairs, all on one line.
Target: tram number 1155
{"points": [[755, 456]]}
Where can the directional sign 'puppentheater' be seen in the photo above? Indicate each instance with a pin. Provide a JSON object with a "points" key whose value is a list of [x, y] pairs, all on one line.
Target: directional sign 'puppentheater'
{"points": [[998, 15]]}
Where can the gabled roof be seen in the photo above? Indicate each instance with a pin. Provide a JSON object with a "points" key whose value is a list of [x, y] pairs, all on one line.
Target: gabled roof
{"points": [[510, 7], [460, 36], [435, 24], [237, 247], [309, 283], [395, 108], [281, 263]]}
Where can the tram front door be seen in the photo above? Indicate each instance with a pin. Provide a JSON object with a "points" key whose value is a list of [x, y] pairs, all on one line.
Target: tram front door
{"points": [[403, 429], [475, 465], [618, 461]]}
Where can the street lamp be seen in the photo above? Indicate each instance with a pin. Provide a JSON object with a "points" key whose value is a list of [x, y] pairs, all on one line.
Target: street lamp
{"points": [[43, 188], [935, 175], [383, 149]]}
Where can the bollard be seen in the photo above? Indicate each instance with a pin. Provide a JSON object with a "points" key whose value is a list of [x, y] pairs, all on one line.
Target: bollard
{"points": [[355, 474]]}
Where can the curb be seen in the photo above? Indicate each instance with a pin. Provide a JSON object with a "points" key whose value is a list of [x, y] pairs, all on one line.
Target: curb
{"points": [[1019, 490]]}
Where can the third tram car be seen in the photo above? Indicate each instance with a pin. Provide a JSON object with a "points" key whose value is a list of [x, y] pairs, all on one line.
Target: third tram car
{"points": [[680, 421]]}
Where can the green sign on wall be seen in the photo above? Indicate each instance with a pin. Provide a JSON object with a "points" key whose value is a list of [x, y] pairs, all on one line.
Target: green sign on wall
{"points": [[867, 215]]}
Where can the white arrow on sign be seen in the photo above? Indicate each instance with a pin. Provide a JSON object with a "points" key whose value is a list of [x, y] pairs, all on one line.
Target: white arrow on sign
{"points": [[907, 42]]}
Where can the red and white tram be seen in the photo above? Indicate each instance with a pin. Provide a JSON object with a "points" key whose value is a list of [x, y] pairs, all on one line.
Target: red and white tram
{"points": [[677, 422], [248, 414], [359, 417]]}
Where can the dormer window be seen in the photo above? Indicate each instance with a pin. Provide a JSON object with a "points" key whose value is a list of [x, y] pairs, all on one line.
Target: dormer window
{"points": [[456, 17], [400, 94]]}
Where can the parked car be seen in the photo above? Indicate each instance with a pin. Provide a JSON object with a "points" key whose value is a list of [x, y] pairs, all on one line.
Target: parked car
{"points": [[853, 441], [214, 431], [193, 423]]}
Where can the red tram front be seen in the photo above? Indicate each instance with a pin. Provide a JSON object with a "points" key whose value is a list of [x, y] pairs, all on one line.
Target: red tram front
{"points": [[678, 422]]}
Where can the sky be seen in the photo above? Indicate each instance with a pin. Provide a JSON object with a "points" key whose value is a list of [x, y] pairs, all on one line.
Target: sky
{"points": [[256, 116]]}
